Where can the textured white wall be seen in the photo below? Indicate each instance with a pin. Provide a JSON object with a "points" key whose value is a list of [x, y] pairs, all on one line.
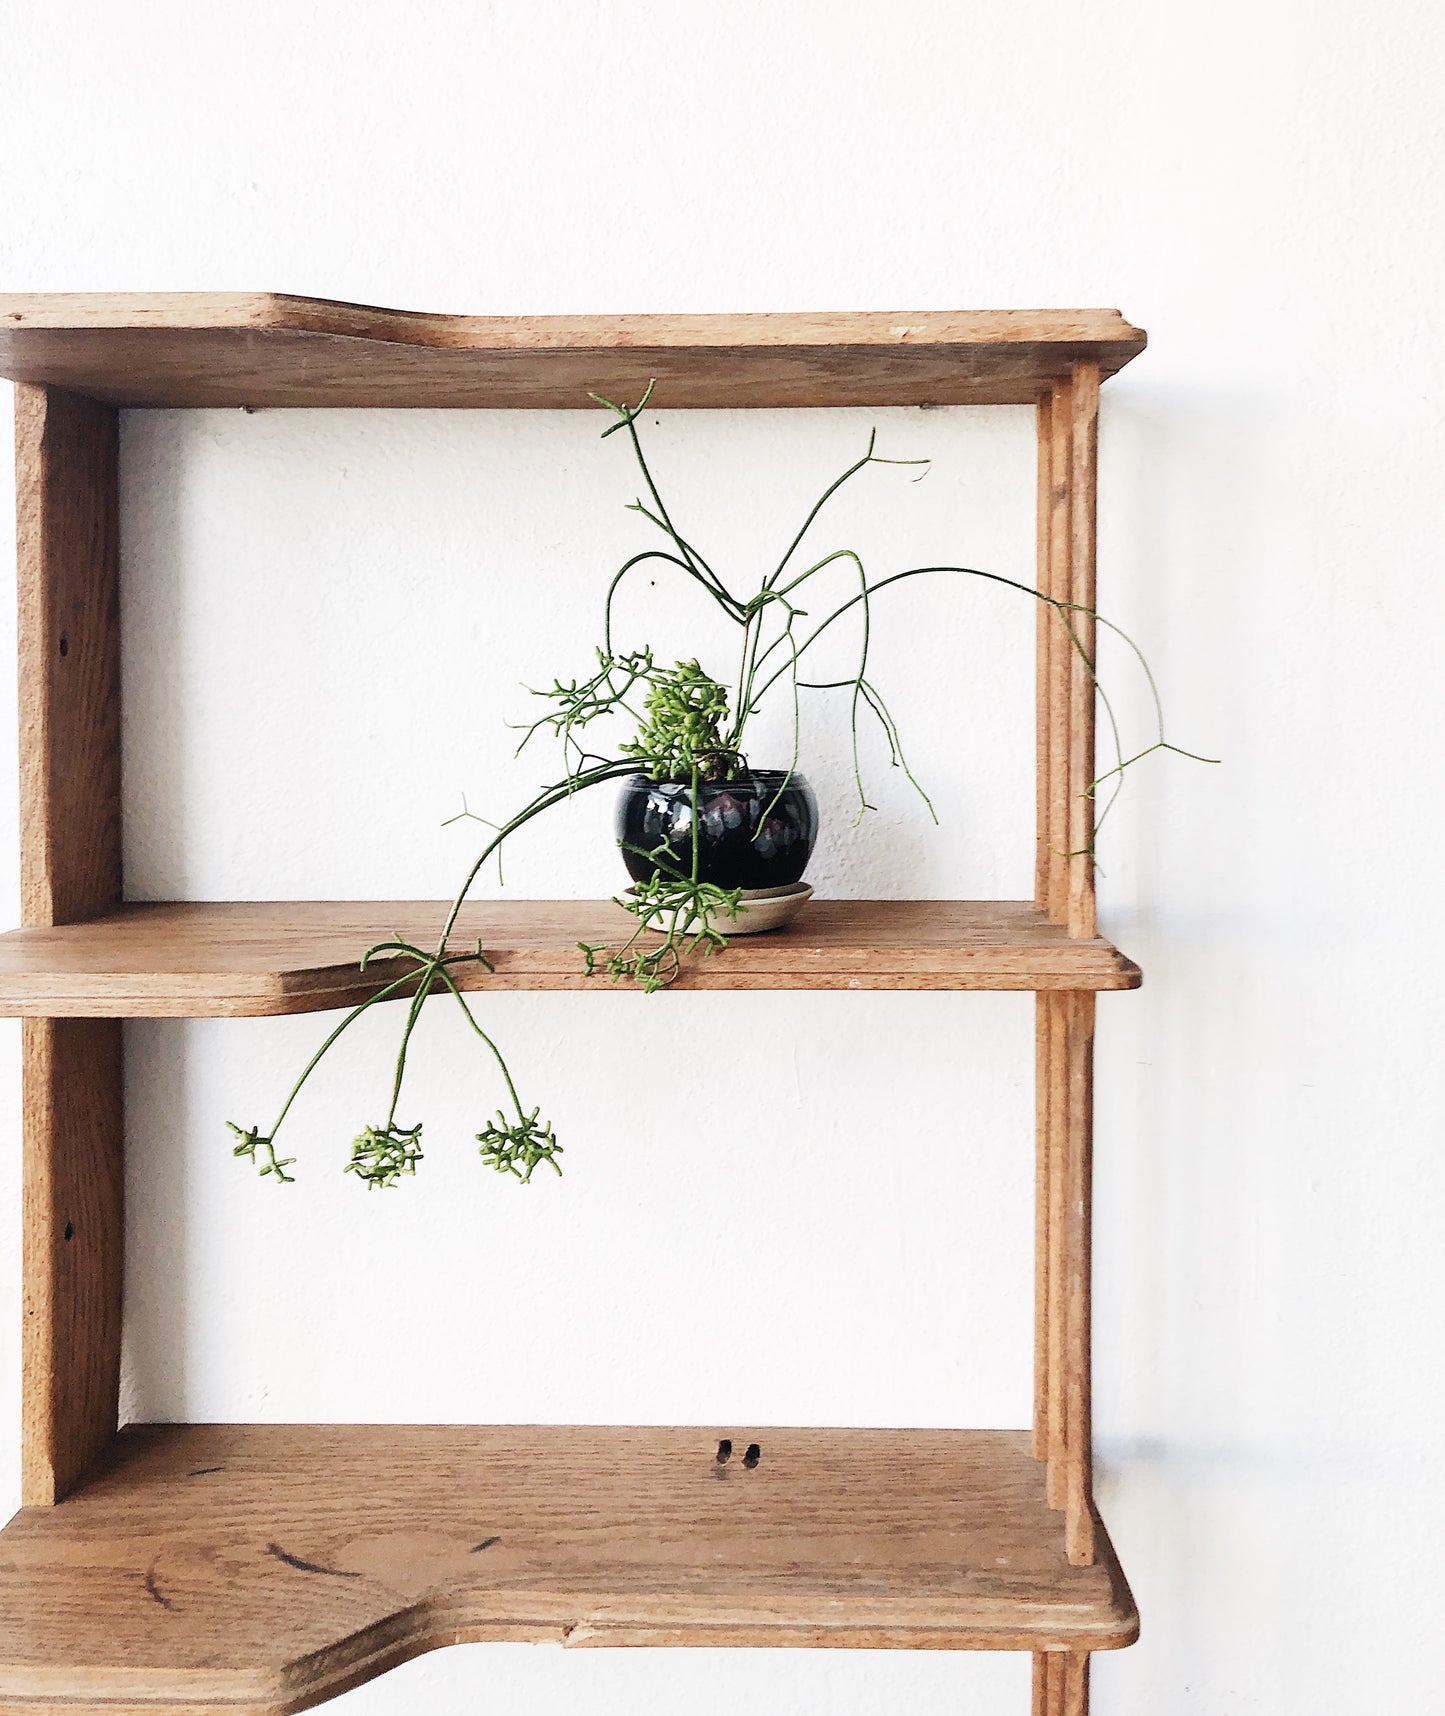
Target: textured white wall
{"points": [[1252, 184]]}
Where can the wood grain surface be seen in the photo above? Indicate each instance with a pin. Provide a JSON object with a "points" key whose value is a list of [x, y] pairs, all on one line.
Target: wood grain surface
{"points": [[232, 959], [268, 349], [1046, 624], [1083, 507], [1075, 1077], [73, 1122], [261, 1568], [1073, 1669], [73, 1249], [1067, 436], [1056, 1139], [1043, 1222], [67, 544], [1061, 1683], [1057, 659]]}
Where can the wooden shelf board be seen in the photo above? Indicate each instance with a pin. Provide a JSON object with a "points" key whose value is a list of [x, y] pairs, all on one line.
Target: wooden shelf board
{"points": [[269, 349], [265, 1567], [245, 958]]}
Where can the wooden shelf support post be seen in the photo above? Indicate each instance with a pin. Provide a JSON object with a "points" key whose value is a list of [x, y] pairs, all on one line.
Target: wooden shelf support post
{"points": [[1064, 1032], [1043, 894], [1083, 454], [73, 1135], [1073, 1458], [1061, 1683]]}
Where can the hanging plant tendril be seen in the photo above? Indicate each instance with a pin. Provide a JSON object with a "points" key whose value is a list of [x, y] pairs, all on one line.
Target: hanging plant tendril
{"points": [[685, 726]]}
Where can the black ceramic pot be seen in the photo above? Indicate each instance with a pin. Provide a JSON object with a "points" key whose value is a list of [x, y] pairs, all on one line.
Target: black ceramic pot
{"points": [[741, 848]]}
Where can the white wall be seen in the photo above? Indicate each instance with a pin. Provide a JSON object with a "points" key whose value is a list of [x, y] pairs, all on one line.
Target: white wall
{"points": [[1253, 185]]}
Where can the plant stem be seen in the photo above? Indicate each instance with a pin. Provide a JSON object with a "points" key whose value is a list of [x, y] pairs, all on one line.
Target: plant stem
{"points": [[447, 978], [549, 796], [354, 1014]]}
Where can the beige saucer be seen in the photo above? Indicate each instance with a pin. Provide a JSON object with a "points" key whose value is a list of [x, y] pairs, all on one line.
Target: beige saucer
{"points": [[767, 909]]}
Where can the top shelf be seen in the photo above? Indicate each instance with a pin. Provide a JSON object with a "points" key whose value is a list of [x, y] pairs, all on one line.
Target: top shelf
{"points": [[270, 349]]}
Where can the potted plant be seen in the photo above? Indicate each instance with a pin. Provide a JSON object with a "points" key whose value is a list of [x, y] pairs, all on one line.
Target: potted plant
{"points": [[716, 845]]}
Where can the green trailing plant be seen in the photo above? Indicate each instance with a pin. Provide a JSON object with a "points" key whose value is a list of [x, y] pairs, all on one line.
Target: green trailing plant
{"points": [[684, 726], [683, 912]]}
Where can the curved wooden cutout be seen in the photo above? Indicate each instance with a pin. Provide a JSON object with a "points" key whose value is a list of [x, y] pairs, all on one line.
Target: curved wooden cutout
{"points": [[244, 958], [267, 1567], [268, 349]]}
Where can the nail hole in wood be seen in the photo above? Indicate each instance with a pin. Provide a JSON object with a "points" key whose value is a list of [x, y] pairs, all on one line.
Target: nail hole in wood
{"points": [[753, 1455], [724, 1451], [70, 1230], [64, 644]]}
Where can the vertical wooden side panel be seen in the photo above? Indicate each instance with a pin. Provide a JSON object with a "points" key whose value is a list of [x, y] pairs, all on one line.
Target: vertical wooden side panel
{"points": [[1063, 1430], [69, 639], [1074, 1678], [1054, 1008], [1060, 653], [1044, 694], [73, 1250], [1045, 627], [1083, 486], [69, 685], [1054, 1683], [1077, 1248], [1043, 1143]]}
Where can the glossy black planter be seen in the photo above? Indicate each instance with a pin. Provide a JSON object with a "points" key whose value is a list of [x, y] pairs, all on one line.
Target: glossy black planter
{"points": [[740, 848]]}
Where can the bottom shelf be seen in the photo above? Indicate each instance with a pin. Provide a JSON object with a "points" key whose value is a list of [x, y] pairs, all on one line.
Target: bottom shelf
{"points": [[262, 1568]]}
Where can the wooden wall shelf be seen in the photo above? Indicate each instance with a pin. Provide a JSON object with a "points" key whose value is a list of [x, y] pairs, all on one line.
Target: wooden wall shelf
{"points": [[238, 959], [258, 1568], [266, 349]]}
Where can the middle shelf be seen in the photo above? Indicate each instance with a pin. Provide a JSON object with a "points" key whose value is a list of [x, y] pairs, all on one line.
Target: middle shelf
{"points": [[237, 959]]}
